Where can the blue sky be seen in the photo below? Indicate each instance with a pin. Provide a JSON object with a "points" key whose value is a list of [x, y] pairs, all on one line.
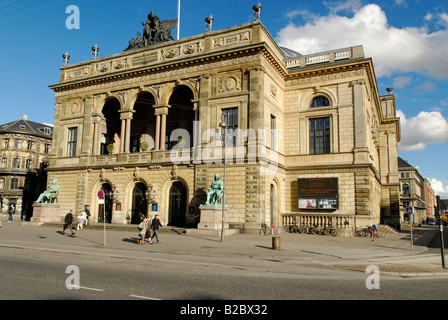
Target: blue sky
{"points": [[407, 40]]}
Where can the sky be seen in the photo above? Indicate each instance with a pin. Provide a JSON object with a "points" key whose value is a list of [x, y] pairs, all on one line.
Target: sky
{"points": [[406, 39]]}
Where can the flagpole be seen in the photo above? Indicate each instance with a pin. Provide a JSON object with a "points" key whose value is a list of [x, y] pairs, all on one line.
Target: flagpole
{"points": [[178, 18]]}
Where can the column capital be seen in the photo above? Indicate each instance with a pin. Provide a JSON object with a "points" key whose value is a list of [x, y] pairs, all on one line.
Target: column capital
{"points": [[161, 108]]}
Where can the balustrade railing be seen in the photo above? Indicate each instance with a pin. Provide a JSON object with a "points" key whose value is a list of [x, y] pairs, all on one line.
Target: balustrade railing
{"points": [[338, 221]]}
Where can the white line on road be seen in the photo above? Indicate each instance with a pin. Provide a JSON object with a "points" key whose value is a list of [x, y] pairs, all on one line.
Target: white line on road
{"points": [[92, 289], [142, 297]]}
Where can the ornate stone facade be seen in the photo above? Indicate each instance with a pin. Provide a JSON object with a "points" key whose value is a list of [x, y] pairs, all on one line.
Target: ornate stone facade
{"points": [[172, 96], [24, 152]]}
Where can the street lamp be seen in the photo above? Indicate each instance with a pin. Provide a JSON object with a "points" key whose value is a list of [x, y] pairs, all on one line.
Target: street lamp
{"points": [[223, 126], [150, 194]]}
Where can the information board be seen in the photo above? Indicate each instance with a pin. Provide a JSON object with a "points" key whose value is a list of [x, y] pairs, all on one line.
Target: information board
{"points": [[318, 193]]}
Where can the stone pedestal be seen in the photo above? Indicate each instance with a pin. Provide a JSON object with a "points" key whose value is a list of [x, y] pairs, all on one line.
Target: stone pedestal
{"points": [[46, 213], [211, 222]]}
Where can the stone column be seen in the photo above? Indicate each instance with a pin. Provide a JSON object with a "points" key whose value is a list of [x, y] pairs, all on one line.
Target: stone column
{"points": [[128, 135], [161, 111], [96, 119], [122, 135], [157, 137], [359, 119]]}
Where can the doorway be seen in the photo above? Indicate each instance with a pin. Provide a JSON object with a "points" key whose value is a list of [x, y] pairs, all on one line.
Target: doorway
{"points": [[106, 208], [178, 204], [139, 203]]}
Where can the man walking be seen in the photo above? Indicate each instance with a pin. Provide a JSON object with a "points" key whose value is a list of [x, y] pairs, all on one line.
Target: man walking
{"points": [[155, 227], [68, 222]]}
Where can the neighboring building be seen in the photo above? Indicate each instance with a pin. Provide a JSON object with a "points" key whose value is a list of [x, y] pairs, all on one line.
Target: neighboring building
{"points": [[305, 129], [430, 201], [24, 152], [412, 193]]}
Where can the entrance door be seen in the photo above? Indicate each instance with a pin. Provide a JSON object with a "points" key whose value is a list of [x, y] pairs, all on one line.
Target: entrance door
{"points": [[107, 206], [178, 204], [139, 203]]}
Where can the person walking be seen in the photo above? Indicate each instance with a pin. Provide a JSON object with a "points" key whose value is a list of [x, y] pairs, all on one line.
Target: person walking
{"points": [[143, 226], [155, 225], [87, 211], [148, 229], [80, 220], [10, 213], [68, 222]]}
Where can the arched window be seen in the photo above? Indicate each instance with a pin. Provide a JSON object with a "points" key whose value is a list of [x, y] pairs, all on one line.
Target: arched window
{"points": [[320, 101], [405, 188]]}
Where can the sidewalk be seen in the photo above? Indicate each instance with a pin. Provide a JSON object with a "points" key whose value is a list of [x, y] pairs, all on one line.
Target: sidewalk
{"points": [[391, 253]]}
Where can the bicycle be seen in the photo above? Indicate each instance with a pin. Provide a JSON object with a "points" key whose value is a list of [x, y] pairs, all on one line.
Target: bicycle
{"points": [[264, 229]]}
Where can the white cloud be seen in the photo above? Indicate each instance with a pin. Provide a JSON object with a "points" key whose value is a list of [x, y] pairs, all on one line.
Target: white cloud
{"points": [[401, 82], [439, 188], [392, 49], [425, 128]]}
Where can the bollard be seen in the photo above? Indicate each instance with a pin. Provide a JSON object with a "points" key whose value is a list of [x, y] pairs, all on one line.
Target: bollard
{"points": [[276, 243]]}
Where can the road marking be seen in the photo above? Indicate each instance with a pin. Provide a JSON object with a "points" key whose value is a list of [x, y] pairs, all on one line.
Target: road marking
{"points": [[142, 297], [92, 289]]}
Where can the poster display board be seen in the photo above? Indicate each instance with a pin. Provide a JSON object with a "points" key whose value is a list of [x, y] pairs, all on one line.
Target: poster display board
{"points": [[318, 193]]}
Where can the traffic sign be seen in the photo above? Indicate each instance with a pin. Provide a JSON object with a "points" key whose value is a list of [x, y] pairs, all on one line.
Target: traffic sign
{"points": [[410, 210], [101, 194]]}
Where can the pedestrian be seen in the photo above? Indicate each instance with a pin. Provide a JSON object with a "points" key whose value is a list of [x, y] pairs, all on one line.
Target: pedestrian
{"points": [[143, 226], [148, 230], [68, 222], [87, 211], [80, 220], [155, 225], [10, 213]]}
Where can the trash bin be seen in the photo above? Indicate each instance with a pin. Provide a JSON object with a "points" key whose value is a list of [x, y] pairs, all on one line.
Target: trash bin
{"points": [[276, 243]]}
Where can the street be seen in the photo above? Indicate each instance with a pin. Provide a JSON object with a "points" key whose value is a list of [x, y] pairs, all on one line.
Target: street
{"points": [[43, 275]]}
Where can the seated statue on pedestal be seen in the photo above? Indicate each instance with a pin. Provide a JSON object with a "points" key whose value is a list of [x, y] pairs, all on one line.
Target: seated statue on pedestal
{"points": [[215, 192], [51, 194]]}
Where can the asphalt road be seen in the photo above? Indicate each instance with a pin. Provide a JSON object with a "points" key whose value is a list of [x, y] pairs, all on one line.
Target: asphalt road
{"points": [[37, 275]]}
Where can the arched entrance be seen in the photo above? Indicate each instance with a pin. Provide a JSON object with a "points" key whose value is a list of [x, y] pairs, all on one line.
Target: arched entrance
{"points": [[143, 123], [110, 126], [181, 116], [106, 208], [177, 205], [139, 203]]}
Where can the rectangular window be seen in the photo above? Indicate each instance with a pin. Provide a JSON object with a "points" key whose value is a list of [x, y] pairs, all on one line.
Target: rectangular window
{"points": [[4, 162], [14, 183], [6, 143], [16, 163], [319, 135], [72, 141], [18, 143], [29, 162], [273, 133], [30, 145], [231, 120], [47, 148], [2, 183]]}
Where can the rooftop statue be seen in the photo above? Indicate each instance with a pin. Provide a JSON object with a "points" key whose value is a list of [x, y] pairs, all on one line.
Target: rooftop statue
{"points": [[154, 31], [51, 194]]}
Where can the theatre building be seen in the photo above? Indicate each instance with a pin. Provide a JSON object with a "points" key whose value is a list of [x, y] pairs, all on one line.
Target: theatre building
{"points": [[308, 138]]}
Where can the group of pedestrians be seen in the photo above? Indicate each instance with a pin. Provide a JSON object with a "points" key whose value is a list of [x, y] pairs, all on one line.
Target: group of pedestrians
{"points": [[145, 228], [81, 220]]}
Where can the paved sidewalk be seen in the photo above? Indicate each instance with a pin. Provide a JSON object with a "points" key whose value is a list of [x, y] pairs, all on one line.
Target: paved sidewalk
{"points": [[391, 253]]}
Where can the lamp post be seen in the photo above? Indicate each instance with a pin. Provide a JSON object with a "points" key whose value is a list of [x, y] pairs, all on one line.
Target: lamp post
{"points": [[223, 126]]}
